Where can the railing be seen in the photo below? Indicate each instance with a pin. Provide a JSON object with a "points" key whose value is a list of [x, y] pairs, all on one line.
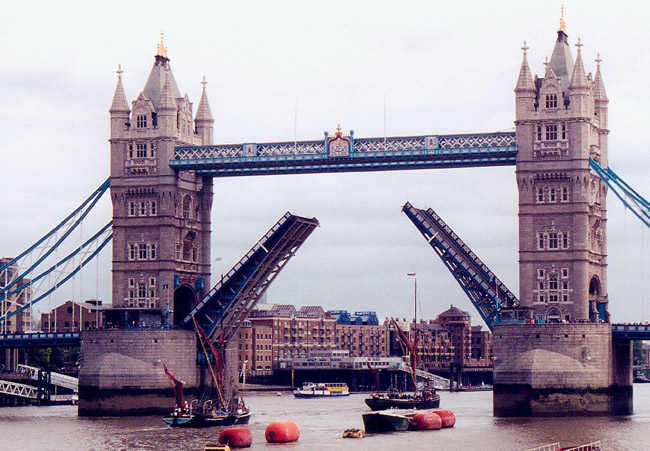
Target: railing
{"points": [[58, 379], [16, 389]]}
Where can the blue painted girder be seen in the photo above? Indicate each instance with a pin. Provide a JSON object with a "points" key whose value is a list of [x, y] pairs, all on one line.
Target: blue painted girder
{"points": [[486, 292], [229, 302], [39, 339], [360, 155], [631, 331]]}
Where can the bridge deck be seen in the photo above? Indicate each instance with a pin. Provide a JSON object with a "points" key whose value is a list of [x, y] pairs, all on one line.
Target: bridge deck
{"points": [[348, 154]]}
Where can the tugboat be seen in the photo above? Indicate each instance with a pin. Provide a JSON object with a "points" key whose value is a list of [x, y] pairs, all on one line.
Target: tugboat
{"points": [[426, 398], [211, 412]]}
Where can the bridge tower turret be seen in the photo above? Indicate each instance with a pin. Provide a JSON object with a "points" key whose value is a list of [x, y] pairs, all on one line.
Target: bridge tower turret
{"points": [[161, 217], [561, 121]]}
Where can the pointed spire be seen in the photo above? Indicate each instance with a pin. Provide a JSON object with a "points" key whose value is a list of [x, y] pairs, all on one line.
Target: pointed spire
{"points": [[561, 62], [525, 80], [203, 112], [119, 105], [579, 77], [599, 86], [167, 101]]}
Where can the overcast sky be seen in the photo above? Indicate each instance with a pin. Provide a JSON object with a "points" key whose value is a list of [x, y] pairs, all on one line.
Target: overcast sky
{"points": [[279, 70]]}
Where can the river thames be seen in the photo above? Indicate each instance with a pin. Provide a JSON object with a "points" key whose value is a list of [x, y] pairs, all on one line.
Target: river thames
{"points": [[321, 423]]}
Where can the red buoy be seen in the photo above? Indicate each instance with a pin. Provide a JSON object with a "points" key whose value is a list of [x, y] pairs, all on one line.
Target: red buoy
{"points": [[425, 421], [447, 416], [282, 432], [238, 437]]}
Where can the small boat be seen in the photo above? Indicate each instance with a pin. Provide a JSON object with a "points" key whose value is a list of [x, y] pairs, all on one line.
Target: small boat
{"points": [[313, 390], [386, 421], [207, 415], [353, 433]]}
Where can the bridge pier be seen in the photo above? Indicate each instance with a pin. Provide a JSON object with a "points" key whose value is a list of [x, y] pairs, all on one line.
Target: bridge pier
{"points": [[122, 370], [561, 369]]}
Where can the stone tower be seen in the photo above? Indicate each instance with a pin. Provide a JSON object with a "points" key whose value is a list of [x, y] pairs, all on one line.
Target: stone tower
{"points": [[561, 122], [161, 217]]}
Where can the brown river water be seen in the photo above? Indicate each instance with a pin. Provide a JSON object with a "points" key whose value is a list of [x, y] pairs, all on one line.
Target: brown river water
{"points": [[321, 423]]}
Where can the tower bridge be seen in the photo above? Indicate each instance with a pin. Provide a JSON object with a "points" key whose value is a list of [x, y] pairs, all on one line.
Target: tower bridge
{"points": [[163, 162]]}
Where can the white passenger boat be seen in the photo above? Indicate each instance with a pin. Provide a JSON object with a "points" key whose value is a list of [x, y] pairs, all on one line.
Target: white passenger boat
{"points": [[328, 389]]}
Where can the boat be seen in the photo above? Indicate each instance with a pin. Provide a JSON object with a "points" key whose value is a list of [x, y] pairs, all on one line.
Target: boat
{"points": [[328, 389], [390, 421], [421, 398], [352, 433], [207, 415], [221, 411]]}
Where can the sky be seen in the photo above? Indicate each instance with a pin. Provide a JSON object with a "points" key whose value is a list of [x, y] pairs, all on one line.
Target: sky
{"points": [[281, 70]]}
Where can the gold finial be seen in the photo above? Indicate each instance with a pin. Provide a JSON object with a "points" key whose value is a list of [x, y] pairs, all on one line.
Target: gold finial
{"points": [[161, 49], [562, 24], [338, 130]]}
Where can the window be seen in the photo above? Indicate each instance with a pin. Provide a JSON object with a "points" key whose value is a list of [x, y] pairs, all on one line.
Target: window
{"points": [[541, 273], [552, 283], [131, 251], [141, 150], [142, 252], [552, 195], [540, 241], [142, 291], [152, 152], [540, 194], [154, 208], [540, 286], [565, 240], [131, 283], [131, 208], [187, 207], [143, 208], [565, 194], [539, 133], [551, 100], [552, 240], [130, 153], [153, 254], [152, 281], [563, 131], [551, 132], [141, 121], [565, 273]]}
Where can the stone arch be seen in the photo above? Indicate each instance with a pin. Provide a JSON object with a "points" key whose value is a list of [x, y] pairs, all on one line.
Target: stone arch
{"points": [[554, 315], [184, 299], [594, 287]]}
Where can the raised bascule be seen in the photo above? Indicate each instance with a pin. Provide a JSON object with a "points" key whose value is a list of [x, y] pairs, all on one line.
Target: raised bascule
{"points": [[556, 351]]}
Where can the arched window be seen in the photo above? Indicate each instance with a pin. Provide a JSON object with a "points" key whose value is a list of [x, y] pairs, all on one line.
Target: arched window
{"points": [[187, 206]]}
